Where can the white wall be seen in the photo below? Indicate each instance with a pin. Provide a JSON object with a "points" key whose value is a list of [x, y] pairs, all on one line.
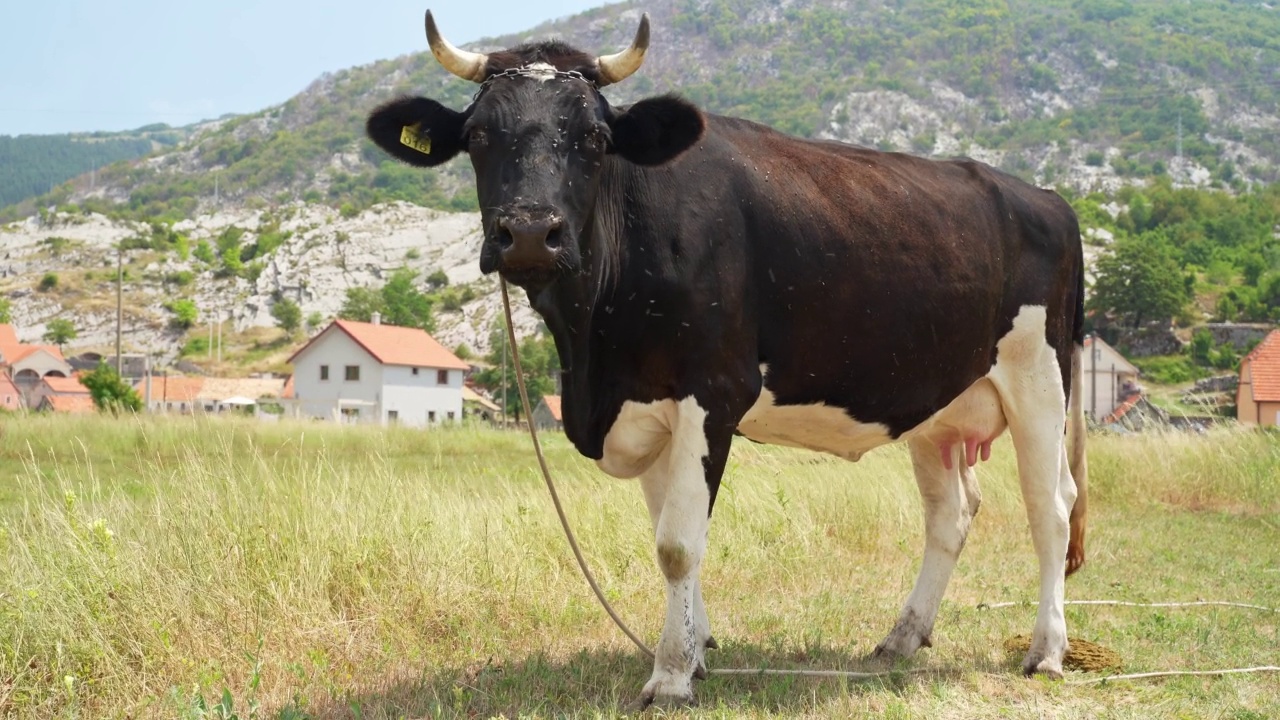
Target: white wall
{"points": [[413, 397], [318, 398], [1102, 395], [42, 363]]}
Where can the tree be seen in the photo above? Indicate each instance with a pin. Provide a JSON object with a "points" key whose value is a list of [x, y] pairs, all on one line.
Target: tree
{"points": [[361, 304], [110, 392], [398, 301], [6, 311], [287, 314], [1139, 280], [538, 359], [60, 331], [404, 304]]}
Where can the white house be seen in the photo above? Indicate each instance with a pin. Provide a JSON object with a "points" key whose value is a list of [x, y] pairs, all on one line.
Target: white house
{"points": [[373, 373], [25, 365], [1109, 379]]}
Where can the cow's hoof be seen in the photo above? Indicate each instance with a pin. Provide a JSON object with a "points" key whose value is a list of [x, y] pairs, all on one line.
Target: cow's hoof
{"points": [[1037, 664], [902, 642], [711, 643], [650, 698]]}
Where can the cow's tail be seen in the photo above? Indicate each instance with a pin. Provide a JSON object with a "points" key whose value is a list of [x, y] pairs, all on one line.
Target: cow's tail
{"points": [[1076, 432]]}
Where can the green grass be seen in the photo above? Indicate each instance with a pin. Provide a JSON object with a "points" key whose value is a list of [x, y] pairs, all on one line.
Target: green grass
{"points": [[151, 568]]}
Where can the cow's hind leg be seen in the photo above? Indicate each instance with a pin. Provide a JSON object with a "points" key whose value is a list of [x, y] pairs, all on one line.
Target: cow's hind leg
{"points": [[682, 499], [1029, 380], [950, 500]]}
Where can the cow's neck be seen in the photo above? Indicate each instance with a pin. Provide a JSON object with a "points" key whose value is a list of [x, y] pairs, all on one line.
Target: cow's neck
{"points": [[567, 308]]}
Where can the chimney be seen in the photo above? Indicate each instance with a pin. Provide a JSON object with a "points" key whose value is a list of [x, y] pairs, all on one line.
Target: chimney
{"points": [[376, 318]]}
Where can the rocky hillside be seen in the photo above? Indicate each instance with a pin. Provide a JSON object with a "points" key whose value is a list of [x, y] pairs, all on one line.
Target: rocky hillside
{"points": [[320, 256], [1088, 94]]}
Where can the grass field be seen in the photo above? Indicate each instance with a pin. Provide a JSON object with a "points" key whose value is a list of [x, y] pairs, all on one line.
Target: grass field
{"points": [[154, 567]]}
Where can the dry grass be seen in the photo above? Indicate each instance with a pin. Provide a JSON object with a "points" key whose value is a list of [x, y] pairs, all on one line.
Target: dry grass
{"points": [[324, 572]]}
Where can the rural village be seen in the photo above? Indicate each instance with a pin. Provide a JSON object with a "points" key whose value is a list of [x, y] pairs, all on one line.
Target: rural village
{"points": [[357, 372]]}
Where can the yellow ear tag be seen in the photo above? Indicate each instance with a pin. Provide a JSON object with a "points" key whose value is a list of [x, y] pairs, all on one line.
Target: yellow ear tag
{"points": [[411, 136]]}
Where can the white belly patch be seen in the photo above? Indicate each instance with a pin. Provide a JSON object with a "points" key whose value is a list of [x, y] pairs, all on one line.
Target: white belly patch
{"points": [[812, 427], [971, 422]]}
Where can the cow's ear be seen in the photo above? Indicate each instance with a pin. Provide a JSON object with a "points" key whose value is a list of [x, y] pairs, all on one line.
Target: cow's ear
{"points": [[416, 130], [656, 130]]}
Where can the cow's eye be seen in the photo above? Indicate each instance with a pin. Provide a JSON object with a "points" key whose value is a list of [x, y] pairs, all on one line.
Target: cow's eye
{"points": [[478, 138], [594, 139]]}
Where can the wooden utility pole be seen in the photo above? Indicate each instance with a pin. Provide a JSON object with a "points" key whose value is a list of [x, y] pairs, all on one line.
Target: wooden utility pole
{"points": [[119, 307], [506, 417]]}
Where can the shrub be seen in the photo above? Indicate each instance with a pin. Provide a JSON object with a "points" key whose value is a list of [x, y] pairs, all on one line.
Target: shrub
{"points": [[185, 313], [48, 282], [196, 346], [1169, 369], [110, 392]]}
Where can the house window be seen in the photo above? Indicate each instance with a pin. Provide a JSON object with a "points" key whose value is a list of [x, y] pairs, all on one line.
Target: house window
{"points": [[393, 416], [442, 377], [450, 416], [353, 373], [415, 371], [431, 416], [324, 372]]}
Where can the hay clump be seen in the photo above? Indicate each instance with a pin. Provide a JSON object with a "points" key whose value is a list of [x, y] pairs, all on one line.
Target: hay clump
{"points": [[1082, 655]]}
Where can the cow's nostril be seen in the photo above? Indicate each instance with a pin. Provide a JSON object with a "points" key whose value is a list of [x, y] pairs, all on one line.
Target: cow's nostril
{"points": [[504, 236], [553, 237]]}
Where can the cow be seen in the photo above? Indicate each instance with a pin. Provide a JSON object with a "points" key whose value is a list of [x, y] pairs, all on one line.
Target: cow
{"points": [[705, 276]]}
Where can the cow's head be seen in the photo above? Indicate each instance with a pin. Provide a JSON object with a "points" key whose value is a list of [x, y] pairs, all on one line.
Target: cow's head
{"points": [[538, 134]]}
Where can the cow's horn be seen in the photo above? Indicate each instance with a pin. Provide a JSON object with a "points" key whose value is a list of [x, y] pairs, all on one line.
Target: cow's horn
{"points": [[619, 66], [466, 65]]}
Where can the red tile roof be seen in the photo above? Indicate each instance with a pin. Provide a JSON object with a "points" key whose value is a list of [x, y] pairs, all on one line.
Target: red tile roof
{"points": [[177, 389], [66, 386], [1264, 368], [394, 345], [75, 404], [1123, 409], [553, 404], [11, 351]]}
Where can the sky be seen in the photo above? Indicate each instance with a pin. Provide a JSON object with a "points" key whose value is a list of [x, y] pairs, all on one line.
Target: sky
{"points": [[74, 65]]}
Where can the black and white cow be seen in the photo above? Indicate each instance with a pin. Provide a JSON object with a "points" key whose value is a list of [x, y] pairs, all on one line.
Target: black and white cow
{"points": [[705, 276]]}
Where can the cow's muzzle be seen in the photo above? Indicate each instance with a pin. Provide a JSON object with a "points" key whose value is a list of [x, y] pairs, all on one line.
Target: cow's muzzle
{"points": [[524, 245], [528, 241]]}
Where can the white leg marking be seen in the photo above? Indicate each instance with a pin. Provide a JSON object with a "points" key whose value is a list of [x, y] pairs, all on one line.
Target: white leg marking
{"points": [[947, 513], [654, 482], [1030, 385], [679, 502]]}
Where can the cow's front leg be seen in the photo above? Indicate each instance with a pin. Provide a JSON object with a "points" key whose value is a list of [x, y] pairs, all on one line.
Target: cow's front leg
{"points": [[679, 491]]}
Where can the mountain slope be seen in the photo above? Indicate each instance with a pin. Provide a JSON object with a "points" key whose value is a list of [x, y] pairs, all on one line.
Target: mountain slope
{"points": [[1088, 94], [32, 164]]}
